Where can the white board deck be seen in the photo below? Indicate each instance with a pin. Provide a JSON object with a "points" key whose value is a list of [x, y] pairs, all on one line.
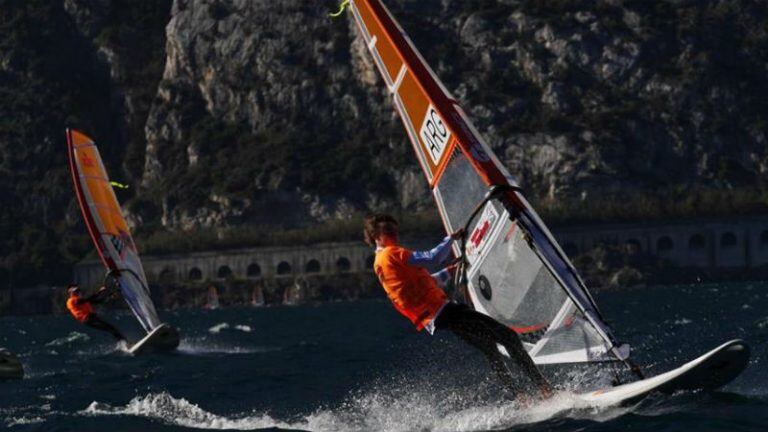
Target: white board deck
{"points": [[162, 338], [708, 372]]}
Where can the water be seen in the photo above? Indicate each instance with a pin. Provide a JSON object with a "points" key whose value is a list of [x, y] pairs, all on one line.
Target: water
{"points": [[360, 367]]}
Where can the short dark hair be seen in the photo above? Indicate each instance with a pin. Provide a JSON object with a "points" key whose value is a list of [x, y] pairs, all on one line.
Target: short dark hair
{"points": [[378, 224]]}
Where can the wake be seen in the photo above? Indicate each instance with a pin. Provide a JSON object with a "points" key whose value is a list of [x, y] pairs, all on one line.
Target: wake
{"points": [[373, 412]]}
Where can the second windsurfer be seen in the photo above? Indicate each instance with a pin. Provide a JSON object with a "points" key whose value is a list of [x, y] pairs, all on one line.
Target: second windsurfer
{"points": [[417, 295], [81, 309]]}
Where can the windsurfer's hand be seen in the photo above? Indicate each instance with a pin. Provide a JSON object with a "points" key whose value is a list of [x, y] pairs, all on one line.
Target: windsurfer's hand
{"points": [[457, 235], [452, 269]]}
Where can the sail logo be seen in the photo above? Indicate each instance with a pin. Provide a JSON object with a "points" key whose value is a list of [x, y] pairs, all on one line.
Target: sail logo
{"points": [[480, 235], [120, 241], [434, 134]]}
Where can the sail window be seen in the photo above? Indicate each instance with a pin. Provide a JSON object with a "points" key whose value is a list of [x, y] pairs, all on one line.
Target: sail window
{"points": [[253, 270], [313, 266]]}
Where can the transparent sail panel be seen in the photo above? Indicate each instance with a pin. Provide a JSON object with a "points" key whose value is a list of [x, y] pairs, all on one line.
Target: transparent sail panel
{"points": [[507, 279], [512, 285], [459, 191]]}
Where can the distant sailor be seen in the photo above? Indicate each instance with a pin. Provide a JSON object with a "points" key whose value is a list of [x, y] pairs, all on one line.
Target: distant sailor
{"points": [[81, 309], [417, 295]]}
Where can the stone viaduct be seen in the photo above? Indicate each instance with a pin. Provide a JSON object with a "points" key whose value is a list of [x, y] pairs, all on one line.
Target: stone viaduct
{"points": [[741, 243]]}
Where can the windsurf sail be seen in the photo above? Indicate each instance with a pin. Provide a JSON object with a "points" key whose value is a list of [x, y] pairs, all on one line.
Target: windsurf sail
{"points": [[108, 228], [514, 269]]}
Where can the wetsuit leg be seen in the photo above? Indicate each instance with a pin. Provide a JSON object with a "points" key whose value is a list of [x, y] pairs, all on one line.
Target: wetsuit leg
{"points": [[511, 341], [484, 333], [476, 334], [96, 322]]}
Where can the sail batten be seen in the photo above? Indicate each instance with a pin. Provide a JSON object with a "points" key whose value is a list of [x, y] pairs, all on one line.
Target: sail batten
{"points": [[516, 272]]}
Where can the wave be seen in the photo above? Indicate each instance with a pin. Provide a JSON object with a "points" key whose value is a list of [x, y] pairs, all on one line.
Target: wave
{"points": [[203, 346], [71, 338], [180, 412], [20, 421], [218, 328], [224, 326]]}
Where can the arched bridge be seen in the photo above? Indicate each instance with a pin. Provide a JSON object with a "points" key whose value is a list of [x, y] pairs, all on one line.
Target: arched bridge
{"points": [[252, 263], [741, 243]]}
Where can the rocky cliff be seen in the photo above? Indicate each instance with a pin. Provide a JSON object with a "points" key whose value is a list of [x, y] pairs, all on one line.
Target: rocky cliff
{"points": [[251, 112]]}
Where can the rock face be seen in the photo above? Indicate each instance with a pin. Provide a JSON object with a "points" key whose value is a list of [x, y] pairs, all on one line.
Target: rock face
{"points": [[226, 113], [274, 98], [578, 98]]}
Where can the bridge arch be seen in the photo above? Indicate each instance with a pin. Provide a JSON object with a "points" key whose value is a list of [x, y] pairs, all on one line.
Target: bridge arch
{"points": [[764, 239], [253, 270], [284, 268], [633, 245], [728, 240], [697, 242], [167, 275], [343, 265], [224, 272], [665, 244], [195, 274], [312, 266]]}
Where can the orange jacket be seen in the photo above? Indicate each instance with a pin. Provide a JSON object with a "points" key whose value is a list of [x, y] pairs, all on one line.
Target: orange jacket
{"points": [[412, 290], [80, 310]]}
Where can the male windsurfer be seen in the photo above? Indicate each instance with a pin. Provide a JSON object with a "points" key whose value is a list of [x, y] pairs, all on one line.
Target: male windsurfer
{"points": [[417, 295], [81, 309]]}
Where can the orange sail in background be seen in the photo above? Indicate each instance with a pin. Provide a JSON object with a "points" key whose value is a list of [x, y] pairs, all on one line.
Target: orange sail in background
{"points": [[108, 228]]}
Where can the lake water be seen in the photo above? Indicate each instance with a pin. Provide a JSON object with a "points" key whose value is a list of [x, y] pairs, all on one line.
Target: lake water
{"points": [[361, 367]]}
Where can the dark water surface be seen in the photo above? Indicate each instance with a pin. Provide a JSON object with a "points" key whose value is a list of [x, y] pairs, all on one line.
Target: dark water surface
{"points": [[359, 366]]}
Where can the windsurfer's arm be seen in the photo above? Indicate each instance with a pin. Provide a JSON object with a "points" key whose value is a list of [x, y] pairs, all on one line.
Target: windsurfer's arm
{"points": [[97, 297], [443, 276], [437, 255], [433, 257]]}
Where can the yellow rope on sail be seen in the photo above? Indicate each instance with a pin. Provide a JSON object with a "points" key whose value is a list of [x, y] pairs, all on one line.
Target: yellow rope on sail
{"points": [[342, 7], [119, 185]]}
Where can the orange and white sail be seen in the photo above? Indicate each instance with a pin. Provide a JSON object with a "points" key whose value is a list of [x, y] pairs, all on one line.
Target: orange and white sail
{"points": [[516, 272], [108, 228]]}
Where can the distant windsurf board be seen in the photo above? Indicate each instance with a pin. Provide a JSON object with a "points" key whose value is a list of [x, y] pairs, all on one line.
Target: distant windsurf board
{"points": [[162, 338]]}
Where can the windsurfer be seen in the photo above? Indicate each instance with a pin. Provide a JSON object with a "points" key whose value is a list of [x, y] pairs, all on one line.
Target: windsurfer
{"points": [[81, 309], [417, 295]]}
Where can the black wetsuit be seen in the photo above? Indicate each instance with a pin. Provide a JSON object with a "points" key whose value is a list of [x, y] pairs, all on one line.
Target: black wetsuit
{"points": [[483, 332], [95, 321]]}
